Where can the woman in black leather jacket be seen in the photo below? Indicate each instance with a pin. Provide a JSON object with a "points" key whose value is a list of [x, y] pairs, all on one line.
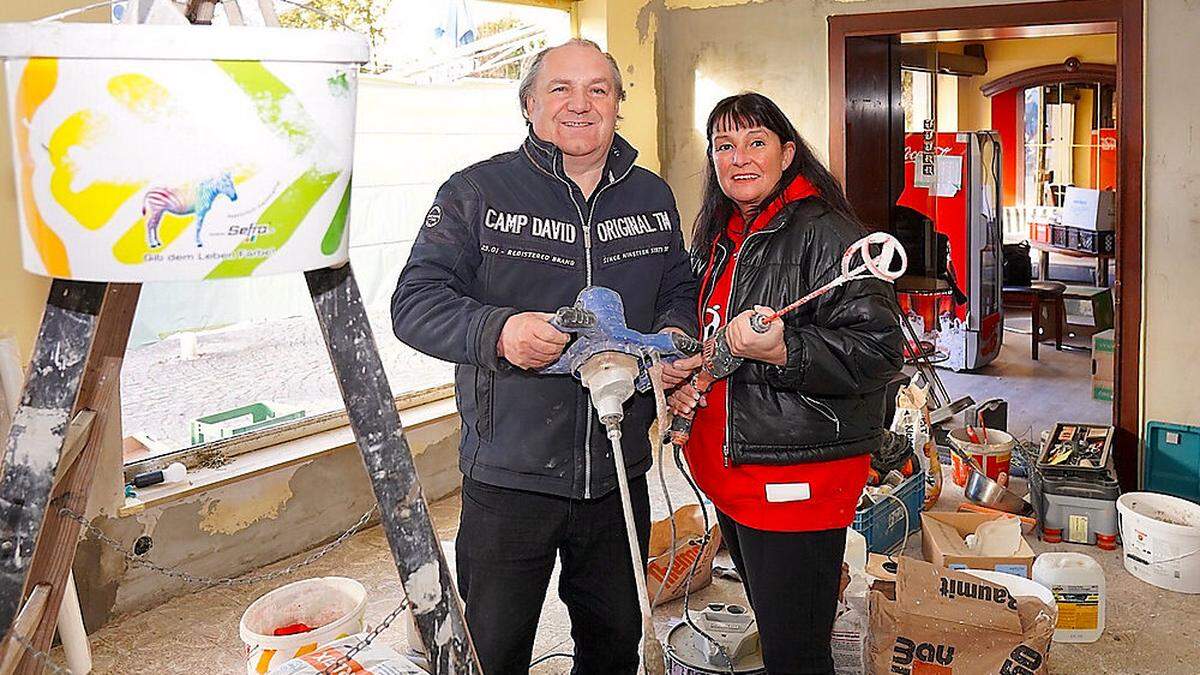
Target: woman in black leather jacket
{"points": [[782, 445]]}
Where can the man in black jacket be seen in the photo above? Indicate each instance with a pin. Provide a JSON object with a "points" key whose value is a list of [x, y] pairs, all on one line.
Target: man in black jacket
{"points": [[508, 241]]}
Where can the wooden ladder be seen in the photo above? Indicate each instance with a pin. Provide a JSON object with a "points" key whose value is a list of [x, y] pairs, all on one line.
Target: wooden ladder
{"points": [[71, 393]]}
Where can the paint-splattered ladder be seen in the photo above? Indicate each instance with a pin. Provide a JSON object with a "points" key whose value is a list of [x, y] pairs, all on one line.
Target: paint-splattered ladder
{"points": [[70, 395]]}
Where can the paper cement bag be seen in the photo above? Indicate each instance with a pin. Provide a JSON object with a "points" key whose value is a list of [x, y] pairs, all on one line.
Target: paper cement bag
{"points": [[936, 621], [689, 534], [375, 659]]}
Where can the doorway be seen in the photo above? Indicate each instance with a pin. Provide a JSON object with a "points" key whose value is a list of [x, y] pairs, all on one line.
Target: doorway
{"points": [[1058, 122]]}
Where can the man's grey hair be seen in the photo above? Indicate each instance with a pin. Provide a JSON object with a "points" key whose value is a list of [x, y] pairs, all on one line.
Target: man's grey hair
{"points": [[535, 66]]}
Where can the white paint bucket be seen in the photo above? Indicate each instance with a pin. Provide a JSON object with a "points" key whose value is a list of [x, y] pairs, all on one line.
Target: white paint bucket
{"points": [[1016, 585], [1161, 538], [145, 153], [333, 606]]}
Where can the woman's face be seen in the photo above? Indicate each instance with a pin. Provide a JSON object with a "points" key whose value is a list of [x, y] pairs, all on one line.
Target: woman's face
{"points": [[749, 163]]}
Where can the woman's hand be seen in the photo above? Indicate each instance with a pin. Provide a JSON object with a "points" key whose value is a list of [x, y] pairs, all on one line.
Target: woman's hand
{"points": [[748, 343], [683, 401]]}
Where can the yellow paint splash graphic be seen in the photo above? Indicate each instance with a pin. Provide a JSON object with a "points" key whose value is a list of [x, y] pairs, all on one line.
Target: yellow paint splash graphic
{"points": [[37, 83], [141, 95], [94, 205]]}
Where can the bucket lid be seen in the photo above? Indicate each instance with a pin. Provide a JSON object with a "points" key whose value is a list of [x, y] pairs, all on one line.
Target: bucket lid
{"points": [[172, 43]]}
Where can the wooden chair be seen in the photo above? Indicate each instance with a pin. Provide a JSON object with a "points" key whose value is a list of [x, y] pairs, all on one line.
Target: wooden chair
{"points": [[1036, 297]]}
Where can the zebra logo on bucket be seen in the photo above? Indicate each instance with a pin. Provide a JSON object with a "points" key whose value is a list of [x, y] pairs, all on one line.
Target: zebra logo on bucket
{"points": [[181, 202]]}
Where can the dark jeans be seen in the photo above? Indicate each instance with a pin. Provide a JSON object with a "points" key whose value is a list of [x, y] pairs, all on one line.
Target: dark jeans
{"points": [[792, 580], [507, 544]]}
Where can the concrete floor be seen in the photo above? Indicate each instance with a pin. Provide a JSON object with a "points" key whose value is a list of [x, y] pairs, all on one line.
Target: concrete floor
{"points": [[1149, 630], [1055, 388]]}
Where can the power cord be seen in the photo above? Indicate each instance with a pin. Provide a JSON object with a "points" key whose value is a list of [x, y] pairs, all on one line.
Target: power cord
{"points": [[687, 585]]}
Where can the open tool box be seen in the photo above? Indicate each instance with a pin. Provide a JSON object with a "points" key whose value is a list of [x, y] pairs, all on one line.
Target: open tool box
{"points": [[1076, 448]]}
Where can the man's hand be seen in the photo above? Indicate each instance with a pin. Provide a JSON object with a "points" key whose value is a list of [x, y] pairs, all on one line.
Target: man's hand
{"points": [[528, 340], [683, 401], [748, 343], [677, 372]]}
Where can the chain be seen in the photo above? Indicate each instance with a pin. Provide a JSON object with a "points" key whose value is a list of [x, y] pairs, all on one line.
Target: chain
{"points": [[366, 640], [136, 560], [40, 655], [331, 669]]}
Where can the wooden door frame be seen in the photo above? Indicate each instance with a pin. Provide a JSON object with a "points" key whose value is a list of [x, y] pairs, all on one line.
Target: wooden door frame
{"points": [[1127, 288]]}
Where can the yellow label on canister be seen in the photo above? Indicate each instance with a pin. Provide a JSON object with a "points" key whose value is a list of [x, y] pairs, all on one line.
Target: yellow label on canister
{"points": [[1078, 607]]}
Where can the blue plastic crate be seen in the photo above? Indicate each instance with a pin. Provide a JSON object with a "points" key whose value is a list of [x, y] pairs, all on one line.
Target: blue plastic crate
{"points": [[1172, 460], [883, 523]]}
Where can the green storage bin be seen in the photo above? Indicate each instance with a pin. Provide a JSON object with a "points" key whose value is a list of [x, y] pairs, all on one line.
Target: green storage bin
{"points": [[1172, 460]]}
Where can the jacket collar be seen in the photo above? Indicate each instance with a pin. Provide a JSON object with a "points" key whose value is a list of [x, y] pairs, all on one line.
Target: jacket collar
{"points": [[549, 158], [799, 188]]}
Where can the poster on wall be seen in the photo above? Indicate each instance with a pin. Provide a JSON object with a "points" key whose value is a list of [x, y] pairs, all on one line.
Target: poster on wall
{"points": [[148, 170]]}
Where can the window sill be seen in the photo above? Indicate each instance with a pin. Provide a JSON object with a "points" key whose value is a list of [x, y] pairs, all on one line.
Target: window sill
{"points": [[278, 456]]}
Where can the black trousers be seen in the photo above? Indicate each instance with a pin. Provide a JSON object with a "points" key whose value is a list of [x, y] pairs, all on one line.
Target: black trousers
{"points": [[792, 580], [507, 544]]}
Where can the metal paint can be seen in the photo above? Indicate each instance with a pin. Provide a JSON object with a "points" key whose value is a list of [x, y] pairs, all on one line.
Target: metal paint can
{"points": [[684, 659]]}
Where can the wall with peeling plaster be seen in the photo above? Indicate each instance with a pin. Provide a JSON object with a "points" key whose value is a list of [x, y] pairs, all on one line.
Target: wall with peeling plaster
{"points": [[236, 529]]}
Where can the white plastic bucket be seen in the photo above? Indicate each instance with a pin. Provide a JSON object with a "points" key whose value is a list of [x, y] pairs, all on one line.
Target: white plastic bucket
{"points": [[147, 153], [1018, 586], [1161, 539], [333, 606]]}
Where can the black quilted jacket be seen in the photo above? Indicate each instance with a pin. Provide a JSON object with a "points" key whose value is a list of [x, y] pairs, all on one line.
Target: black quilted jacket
{"points": [[827, 401]]}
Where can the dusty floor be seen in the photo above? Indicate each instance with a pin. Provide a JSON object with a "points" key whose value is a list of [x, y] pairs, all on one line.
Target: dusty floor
{"points": [[1149, 630]]}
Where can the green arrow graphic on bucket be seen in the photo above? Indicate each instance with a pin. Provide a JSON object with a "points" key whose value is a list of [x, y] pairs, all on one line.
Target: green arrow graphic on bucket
{"points": [[284, 215], [278, 108]]}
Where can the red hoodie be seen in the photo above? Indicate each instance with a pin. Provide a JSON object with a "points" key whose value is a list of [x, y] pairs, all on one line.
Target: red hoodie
{"points": [[803, 497]]}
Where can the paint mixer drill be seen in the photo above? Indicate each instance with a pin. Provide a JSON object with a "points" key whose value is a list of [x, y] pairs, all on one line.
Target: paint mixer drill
{"points": [[612, 361], [876, 256]]}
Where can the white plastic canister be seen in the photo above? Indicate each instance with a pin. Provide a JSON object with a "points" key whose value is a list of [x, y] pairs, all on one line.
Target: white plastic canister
{"points": [[856, 550], [1077, 582]]}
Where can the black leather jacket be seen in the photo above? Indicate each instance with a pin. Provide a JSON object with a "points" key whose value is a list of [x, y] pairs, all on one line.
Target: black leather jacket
{"points": [[827, 401]]}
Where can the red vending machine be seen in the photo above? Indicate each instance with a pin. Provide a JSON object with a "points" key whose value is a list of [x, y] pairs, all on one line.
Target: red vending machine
{"points": [[953, 178]]}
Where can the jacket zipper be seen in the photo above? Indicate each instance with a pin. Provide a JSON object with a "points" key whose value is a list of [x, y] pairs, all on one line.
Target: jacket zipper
{"points": [[725, 450], [587, 249]]}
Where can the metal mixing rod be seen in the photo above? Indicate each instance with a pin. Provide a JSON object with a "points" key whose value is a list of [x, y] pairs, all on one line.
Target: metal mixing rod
{"points": [[718, 358], [611, 360]]}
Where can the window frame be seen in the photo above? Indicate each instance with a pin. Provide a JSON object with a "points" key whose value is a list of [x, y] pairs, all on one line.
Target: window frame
{"points": [[227, 448]]}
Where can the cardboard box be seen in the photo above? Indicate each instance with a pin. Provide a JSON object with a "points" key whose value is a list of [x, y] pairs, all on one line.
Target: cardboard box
{"points": [[1104, 341], [943, 545], [1102, 367], [1090, 209]]}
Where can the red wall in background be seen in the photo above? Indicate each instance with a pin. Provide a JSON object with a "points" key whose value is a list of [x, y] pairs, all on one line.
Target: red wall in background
{"points": [[1004, 120], [1107, 176]]}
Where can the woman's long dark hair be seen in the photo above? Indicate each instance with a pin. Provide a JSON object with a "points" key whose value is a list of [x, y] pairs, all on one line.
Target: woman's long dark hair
{"points": [[744, 111]]}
